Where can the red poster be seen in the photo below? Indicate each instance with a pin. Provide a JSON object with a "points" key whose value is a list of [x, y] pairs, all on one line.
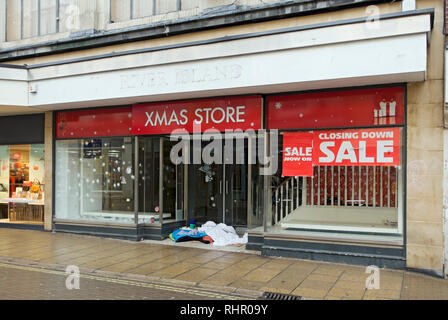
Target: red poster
{"points": [[363, 147], [102, 122], [337, 108], [297, 154], [221, 114]]}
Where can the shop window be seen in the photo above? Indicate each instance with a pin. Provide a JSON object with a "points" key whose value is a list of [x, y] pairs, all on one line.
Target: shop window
{"points": [[348, 179], [161, 182], [344, 198], [95, 180], [22, 189]]}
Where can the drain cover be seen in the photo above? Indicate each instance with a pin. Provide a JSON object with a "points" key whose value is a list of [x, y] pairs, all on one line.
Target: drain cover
{"points": [[279, 296]]}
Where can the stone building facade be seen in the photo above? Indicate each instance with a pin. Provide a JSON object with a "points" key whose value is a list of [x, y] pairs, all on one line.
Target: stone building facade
{"points": [[65, 55]]}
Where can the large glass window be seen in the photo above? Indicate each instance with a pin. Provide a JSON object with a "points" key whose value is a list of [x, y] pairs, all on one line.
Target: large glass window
{"points": [[343, 198], [95, 180], [22, 189], [161, 182]]}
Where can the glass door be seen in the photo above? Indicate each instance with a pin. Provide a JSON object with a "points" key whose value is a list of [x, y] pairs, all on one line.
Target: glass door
{"points": [[219, 192], [205, 190], [236, 185]]}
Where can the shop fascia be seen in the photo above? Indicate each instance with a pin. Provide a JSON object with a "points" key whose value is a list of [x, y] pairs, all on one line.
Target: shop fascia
{"points": [[220, 121]]}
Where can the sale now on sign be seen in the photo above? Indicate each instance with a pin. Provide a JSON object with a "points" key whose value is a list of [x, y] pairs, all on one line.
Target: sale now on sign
{"points": [[298, 154], [363, 147]]}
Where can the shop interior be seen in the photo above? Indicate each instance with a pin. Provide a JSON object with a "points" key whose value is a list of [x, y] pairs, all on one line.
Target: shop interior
{"points": [[21, 184]]}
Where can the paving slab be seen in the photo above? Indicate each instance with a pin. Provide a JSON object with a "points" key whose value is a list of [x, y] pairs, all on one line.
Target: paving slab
{"points": [[261, 274]]}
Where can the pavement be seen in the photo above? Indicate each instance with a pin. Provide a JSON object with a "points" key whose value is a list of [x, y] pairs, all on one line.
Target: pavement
{"points": [[199, 270], [31, 283]]}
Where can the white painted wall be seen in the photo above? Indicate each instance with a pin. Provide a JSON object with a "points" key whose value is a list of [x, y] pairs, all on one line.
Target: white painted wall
{"points": [[13, 93], [312, 38], [13, 87], [360, 63]]}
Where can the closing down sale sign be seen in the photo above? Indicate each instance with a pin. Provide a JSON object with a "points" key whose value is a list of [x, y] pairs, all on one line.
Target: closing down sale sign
{"points": [[366, 147], [360, 147]]}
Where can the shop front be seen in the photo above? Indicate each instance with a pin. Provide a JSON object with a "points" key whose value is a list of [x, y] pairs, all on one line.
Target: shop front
{"points": [[318, 133], [322, 166], [141, 171], [22, 171], [338, 192], [297, 136]]}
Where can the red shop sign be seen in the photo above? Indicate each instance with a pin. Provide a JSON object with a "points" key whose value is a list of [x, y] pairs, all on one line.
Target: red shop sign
{"points": [[94, 123], [220, 114], [297, 154], [348, 108], [364, 147]]}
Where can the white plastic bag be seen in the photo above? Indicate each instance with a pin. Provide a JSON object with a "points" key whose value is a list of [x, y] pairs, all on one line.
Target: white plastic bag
{"points": [[222, 234]]}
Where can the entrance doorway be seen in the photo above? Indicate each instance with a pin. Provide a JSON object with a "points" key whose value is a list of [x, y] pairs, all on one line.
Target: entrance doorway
{"points": [[219, 191]]}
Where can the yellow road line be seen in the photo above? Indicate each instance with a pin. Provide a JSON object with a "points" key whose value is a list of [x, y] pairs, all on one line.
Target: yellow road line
{"points": [[128, 282]]}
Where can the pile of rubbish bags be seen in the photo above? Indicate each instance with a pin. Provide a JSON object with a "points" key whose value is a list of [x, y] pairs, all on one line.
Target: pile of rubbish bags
{"points": [[210, 232]]}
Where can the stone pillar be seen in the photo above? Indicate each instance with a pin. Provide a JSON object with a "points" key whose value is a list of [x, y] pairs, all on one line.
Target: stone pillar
{"points": [[2, 21], [48, 211], [424, 203]]}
